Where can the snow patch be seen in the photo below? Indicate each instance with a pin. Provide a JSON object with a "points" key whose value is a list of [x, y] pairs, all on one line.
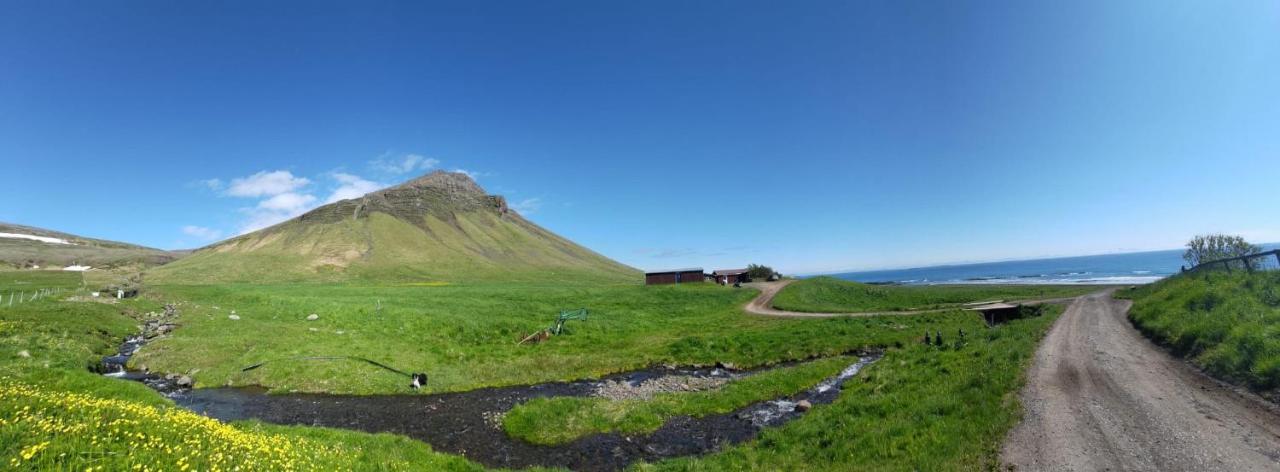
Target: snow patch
{"points": [[76, 268], [43, 239]]}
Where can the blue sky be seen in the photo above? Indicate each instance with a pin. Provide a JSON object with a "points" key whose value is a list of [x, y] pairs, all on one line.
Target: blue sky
{"points": [[813, 136]]}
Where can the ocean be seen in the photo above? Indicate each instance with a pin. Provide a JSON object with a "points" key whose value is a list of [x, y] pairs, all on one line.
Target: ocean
{"points": [[1125, 269]]}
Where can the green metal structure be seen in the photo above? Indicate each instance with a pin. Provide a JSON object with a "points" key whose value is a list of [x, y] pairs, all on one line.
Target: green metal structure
{"points": [[566, 315]]}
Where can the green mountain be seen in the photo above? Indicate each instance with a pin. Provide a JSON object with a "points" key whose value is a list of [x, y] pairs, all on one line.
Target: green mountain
{"points": [[25, 247], [440, 227]]}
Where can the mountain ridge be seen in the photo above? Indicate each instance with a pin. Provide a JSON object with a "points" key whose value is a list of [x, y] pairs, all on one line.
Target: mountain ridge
{"points": [[27, 253]]}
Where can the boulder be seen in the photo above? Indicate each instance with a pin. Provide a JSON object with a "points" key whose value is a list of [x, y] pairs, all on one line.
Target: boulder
{"points": [[313, 317], [803, 405], [24, 354], [184, 381], [233, 317]]}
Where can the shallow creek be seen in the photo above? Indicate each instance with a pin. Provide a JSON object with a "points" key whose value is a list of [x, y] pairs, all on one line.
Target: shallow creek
{"points": [[469, 423]]}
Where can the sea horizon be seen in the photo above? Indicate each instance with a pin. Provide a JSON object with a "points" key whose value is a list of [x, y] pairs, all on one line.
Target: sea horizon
{"points": [[1129, 268]]}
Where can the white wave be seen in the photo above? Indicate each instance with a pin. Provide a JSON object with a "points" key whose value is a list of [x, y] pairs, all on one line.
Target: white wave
{"points": [[1107, 280]]}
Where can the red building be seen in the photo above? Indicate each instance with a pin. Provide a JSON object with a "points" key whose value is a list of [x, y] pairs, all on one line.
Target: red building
{"points": [[730, 276], [677, 276]]}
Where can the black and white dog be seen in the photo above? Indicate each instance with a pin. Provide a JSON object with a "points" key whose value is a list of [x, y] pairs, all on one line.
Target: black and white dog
{"points": [[419, 381]]}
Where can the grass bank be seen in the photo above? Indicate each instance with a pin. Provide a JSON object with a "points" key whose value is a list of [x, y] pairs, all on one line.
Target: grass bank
{"points": [[832, 295], [1226, 323], [563, 419]]}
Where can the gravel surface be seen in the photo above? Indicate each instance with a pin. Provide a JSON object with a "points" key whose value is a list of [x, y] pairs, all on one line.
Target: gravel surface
{"points": [[625, 390], [763, 304], [1100, 396]]}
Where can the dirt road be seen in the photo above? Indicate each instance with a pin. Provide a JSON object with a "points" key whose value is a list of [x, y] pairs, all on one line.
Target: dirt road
{"points": [[1100, 396], [763, 304]]}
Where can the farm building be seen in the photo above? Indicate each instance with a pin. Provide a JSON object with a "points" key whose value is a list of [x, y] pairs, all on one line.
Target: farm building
{"points": [[730, 276], [677, 276]]}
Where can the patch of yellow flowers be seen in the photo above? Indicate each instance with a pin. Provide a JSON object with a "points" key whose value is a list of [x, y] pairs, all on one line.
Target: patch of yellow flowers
{"points": [[42, 430]]}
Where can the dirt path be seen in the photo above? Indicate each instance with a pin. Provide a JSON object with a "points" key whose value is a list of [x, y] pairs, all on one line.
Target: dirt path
{"points": [[1100, 396], [763, 304]]}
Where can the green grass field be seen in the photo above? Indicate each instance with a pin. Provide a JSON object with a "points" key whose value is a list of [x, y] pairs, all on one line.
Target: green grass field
{"points": [[832, 295], [1226, 323], [465, 336], [28, 281], [920, 407]]}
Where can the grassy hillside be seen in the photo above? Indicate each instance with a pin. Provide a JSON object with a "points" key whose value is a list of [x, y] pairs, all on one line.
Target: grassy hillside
{"points": [[832, 295], [98, 253], [438, 228], [1226, 323]]}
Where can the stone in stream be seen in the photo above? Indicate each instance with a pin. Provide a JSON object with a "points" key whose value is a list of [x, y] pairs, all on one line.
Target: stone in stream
{"points": [[184, 381], [803, 405], [313, 317]]}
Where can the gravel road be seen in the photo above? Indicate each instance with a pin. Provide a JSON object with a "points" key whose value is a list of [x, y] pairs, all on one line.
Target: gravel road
{"points": [[763, 304], [1100, 396]]}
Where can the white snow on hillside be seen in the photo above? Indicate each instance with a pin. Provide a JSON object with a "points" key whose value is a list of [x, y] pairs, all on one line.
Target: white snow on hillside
{"points": [[77, 268], [43, 239]]}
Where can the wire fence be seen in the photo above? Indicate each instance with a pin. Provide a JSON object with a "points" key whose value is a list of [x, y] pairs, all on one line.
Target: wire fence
{"points": [[18, 297], [1268, 260]]}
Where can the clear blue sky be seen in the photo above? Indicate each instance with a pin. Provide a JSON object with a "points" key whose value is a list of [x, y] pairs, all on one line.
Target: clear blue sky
{"points": [[814, 136]]}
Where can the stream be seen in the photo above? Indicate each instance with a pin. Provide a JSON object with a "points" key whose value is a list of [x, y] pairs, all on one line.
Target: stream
{"points": [[469, 423]]}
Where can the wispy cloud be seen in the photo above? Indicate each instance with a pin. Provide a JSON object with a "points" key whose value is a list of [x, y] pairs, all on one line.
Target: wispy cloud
{"points": [[351, 186], [266, 184], [202, 233], [527, 206], [404, 164], [666, 253]]}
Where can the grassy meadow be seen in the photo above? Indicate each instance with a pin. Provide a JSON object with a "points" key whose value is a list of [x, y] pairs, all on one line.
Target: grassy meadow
{"points": [[55, 414], [921, 407], [1226, 323], [465, 336], [832, 295]]}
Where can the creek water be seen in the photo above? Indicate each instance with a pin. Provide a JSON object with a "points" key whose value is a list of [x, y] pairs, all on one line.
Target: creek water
{"points": [[469, 423]]}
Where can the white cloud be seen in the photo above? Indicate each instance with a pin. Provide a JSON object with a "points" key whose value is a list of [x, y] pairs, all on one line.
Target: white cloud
{"points": [[266, 183], [404, 165], [351, 186], [202, 233], [288, 202], [258, 219], [473, 174], [527, 206], [212, 184]]}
